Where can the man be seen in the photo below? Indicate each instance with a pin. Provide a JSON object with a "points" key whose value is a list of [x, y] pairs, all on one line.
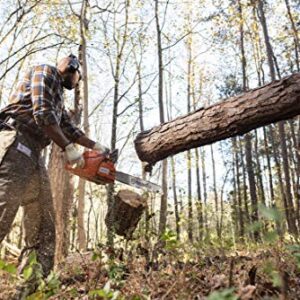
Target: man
{"points": [[35, 117]]}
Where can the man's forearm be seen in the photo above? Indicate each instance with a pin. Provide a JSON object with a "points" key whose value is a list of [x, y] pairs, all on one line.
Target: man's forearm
{"points": [[55, 133], [85, 142]]}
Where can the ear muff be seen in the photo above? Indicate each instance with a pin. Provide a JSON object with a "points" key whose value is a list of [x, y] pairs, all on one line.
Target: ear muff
{"points": [[74, 64]]}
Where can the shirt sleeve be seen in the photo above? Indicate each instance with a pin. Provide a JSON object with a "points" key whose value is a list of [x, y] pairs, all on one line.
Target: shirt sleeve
{"points": [[43, 83], [68, 127]]}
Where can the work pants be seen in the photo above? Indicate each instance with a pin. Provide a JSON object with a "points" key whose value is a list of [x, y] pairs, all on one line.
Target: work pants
{"points": [[24, 182]]}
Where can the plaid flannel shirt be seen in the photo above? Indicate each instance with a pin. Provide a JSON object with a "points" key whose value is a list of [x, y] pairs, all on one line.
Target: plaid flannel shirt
{"points": [[38, 100]]}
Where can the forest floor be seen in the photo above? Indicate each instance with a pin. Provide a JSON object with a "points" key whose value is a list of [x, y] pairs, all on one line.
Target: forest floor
{"points": [[268, 272]]}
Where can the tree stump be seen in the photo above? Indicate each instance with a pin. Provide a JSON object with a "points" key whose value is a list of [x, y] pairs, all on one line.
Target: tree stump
{"points": [[125, 212]]}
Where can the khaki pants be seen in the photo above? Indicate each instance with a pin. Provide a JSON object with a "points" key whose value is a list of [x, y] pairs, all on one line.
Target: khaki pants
{"points": [[24, 182]]}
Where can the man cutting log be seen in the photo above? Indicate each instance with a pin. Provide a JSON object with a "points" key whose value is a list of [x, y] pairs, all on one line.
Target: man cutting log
{"points": [[36, 116]]}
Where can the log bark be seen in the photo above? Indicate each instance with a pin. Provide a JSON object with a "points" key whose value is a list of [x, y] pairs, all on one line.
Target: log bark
{"points": [[276, 101], [125, 213]]}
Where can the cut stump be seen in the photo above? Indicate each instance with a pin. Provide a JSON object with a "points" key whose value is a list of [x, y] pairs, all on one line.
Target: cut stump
{"points": [[126, 212]]}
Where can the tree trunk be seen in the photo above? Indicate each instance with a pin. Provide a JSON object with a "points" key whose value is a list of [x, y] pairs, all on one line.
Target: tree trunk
{"points": [[273, 102], [244, 185], [62, 192], [199, 197], [177, 217], [234, 213], [267, 151], [188, 157], [237, 195], [262, 18], [205, 217], [217, 211], [142, 128], [295, 32], [190, 203], [81, 235], [287, 186], [116, 70], [251, 180], [297, 172], [261, 190], [164, 196], [248, 139]]}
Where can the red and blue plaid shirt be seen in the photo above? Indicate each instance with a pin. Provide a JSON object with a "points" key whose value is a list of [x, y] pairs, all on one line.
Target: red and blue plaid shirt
{"points": [[38, 100]]}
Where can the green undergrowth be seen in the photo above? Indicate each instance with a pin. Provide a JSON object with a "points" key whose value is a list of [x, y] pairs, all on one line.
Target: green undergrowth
{"points": [[213, 269]]}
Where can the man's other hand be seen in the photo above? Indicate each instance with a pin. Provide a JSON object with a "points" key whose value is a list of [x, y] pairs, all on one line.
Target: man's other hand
{"points": [[101, 148], [73, 156]]}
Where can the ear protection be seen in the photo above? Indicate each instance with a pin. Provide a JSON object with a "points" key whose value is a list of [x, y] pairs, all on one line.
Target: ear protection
{"points": [[74, 64]]}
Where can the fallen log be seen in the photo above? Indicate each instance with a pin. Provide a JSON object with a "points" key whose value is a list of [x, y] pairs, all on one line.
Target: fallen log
{"points": [[125, 212], [276, 101]]}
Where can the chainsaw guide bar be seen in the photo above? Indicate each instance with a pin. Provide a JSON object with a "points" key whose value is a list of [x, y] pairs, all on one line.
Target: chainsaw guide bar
{"points": [[137, 182]]}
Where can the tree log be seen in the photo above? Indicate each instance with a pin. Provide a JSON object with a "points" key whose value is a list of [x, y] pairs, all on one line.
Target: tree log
{"points": [[125, 213], [276, 101]]}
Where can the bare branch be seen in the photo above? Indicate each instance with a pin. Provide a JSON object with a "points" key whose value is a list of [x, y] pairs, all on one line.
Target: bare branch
{"points": [[103, 10], [128, 136], [19, 19], [165, 13], [127, 107], [72, 10], [101, 102], [26, 45], [26, 55], [181, 38], [128, 89]]}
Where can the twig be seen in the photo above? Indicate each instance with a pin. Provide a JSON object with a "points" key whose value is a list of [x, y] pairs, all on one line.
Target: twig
{"points": [[169, 290]]}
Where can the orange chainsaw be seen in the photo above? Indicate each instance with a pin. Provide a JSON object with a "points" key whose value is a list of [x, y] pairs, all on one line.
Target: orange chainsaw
{"points": [[100, 169]]}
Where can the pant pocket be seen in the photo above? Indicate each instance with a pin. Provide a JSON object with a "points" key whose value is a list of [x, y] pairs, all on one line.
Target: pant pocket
{"points": [[7, 138]]}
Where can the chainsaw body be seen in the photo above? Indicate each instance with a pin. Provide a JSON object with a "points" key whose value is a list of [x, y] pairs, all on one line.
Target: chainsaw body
{"points": [[98, 168]]}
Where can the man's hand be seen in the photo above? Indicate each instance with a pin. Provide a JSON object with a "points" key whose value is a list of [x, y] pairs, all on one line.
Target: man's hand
{"points": [[113, 155], [101, 148], [73, 156]]}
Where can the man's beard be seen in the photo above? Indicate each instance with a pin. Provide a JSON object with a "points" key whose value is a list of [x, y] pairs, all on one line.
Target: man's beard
{"points": [[67, 83]]}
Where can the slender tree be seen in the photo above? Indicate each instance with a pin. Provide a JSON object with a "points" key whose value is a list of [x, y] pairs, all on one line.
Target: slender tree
{"points": [[164, 196], [188, 154], [248, 136]]}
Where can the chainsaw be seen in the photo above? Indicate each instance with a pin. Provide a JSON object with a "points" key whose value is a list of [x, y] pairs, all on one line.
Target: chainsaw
{"points": [[100, 169]]}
